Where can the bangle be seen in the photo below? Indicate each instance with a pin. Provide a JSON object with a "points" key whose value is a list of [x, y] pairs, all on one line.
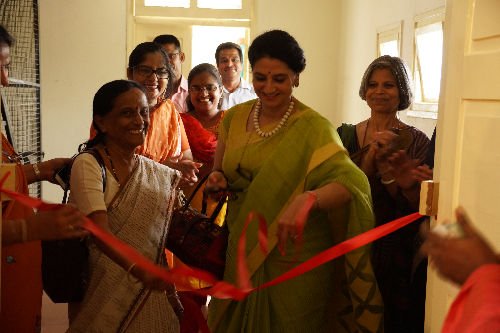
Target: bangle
{"points": [[129, 273], [387, 182], [316, 200], [37, 172]]}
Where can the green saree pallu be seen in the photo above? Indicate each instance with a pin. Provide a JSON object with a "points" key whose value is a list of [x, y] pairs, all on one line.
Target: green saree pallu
{"points": [[306, 154]]}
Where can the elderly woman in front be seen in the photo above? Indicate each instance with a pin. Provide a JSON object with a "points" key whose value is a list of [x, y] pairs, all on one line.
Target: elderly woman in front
{"points": [[135, 206], [386, 89], [277, 153]]}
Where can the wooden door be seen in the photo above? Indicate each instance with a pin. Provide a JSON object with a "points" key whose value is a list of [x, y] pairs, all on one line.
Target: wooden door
{"points": [[467, 155]]}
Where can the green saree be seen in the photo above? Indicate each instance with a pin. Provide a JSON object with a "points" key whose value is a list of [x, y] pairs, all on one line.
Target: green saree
{"points": [[340, 296]]}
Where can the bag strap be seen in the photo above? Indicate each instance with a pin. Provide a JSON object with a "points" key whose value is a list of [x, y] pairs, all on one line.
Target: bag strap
{"points": [[197, 188], [94, 152], [217, 209]]}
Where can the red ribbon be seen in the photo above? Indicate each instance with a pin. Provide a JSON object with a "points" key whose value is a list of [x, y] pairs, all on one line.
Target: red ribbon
{"points": [[221, 289]]}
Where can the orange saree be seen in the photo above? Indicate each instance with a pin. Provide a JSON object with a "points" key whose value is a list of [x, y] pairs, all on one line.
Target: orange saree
{"points": [[21, 267], [476, 309]]}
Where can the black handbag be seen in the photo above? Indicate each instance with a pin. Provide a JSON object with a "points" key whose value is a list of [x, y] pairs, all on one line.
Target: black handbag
{"points": [[196, 239], [65, 262]]}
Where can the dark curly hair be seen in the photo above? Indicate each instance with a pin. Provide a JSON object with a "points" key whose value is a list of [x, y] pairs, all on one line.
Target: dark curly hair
{"points": [[139, 54], [198, 69], [280, 45], [399, 70]]}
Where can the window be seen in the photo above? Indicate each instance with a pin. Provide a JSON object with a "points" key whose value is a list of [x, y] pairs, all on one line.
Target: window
{"points": [[212, 4], [208, 38], [220, 4], [230, 11], [427, 61], [167, 3], [389, 40], [200, 26]]}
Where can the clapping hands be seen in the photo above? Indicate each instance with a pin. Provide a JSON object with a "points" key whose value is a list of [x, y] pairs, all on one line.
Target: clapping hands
{"points": [[456, 258]]}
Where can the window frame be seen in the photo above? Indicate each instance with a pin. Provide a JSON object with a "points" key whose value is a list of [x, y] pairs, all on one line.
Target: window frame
{"points": [[154, 15], [423, 109], [242, 15], [389, 33]]}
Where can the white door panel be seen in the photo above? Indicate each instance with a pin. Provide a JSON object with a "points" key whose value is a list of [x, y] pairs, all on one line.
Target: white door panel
{"points": [[467, 152]]}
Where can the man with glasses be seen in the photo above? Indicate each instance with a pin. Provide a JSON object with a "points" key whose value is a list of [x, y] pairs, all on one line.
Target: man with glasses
{"points": [[229, 58], [176, 57]]}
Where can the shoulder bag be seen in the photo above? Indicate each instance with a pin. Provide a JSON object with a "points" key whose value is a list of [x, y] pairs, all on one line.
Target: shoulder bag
{"points": [[65, 262], [196, 239]]}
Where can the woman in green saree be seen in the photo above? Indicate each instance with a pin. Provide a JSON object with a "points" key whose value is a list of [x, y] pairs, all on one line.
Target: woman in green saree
{"points": [[276, 152]]}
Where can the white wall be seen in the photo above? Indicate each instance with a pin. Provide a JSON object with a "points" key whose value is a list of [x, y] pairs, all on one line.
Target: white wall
{"points": [[316, 26], [82, 46], [357, 48]]}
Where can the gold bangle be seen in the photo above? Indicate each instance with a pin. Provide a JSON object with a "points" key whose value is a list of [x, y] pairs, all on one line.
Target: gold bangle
{"points": [[129, 273], [37, 172]]}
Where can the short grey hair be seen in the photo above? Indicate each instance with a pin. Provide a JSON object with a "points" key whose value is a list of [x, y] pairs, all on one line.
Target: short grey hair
{"points": [[399, 69]]}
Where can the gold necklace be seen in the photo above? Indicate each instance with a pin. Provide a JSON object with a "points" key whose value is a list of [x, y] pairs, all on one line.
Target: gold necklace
{"points": [[112, 165]]}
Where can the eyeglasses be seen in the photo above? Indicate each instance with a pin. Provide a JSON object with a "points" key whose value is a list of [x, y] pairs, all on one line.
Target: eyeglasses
{"points": [[172, 56], [161, 73], [208, 88]]}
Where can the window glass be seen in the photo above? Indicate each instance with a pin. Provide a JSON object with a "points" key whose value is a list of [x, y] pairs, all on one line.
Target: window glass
{"points": [[167, 3], [207, 38], [429, 54], [220, 4], [389, 48], [427, 61], [389, 40]]}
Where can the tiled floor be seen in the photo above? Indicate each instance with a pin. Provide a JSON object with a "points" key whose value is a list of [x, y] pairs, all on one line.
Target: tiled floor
{"points": [[54, 316]]}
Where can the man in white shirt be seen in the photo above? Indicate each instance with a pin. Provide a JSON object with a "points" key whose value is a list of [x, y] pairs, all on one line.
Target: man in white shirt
{"points": [[176, 57], [228, 57]]}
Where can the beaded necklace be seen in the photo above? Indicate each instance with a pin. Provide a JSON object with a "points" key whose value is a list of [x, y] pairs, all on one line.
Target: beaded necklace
{"points": [[280, 124], [112, 165]]}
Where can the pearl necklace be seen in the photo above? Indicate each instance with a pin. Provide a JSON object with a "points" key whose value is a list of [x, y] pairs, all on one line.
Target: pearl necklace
{"points": [[280, 124]]}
